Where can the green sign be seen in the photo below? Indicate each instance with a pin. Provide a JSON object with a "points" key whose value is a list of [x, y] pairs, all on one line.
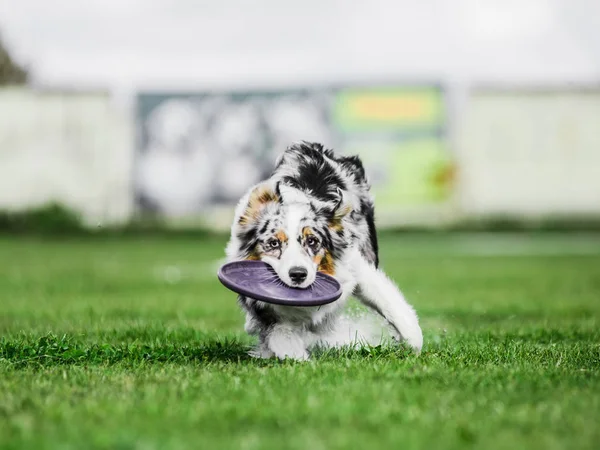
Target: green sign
{"points": [[413, 172]]}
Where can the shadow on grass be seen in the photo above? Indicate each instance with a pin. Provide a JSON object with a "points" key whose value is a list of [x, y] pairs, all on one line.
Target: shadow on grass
{"points": [[567, 349], [52, 350]]}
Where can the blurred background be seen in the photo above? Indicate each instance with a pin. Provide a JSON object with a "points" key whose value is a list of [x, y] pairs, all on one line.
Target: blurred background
{"points": [[464, 110]]}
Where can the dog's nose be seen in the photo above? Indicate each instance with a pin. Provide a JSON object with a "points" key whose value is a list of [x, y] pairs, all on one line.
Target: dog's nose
{"points": [[298, 274]]}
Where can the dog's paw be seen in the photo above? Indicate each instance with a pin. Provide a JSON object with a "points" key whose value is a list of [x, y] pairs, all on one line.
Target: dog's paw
{"points": [[296, 356], [289, 350], [414, 338], [260, 352], [285, 344]]}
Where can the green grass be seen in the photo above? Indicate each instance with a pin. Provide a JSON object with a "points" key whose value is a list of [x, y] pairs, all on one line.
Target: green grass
{"points": [[132, 343]]}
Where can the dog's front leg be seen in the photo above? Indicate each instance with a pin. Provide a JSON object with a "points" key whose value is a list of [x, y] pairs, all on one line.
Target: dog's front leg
{"points": [[377, 291], [286, 342]]}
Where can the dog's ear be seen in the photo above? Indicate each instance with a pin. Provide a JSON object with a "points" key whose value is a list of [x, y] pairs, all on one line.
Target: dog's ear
{"points": [[261, 196], [342, 208]]}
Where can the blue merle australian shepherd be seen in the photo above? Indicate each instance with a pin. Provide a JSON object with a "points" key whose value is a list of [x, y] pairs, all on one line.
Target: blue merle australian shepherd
{"points": [[315, 213]]}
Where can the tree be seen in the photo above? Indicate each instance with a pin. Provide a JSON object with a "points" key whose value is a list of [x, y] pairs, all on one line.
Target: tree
{"points": [[10, 71]]}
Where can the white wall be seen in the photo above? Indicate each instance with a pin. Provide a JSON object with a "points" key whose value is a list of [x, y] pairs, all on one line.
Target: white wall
{"points": [[530, 153], [518, 152], [71, 148]]}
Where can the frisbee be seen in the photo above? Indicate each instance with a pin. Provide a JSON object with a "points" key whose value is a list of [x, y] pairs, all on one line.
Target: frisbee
{"points": [[258, 280]]}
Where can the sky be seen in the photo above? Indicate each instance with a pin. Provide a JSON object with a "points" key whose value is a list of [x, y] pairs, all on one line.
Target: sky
{"points": [[182, 44]]}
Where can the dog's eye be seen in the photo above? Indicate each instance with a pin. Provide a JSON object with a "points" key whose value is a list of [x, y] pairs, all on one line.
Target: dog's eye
{"points": [[312, 241], [273, 243]]}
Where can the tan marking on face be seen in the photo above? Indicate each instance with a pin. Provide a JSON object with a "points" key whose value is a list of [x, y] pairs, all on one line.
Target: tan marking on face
{"points": [[281, 236], [335, 223], [259, 197], [326, 264], [254, 256], [306, 231]]}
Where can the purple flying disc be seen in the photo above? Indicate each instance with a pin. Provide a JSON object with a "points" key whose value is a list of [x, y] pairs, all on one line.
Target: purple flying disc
{"points": [[258, 280]]}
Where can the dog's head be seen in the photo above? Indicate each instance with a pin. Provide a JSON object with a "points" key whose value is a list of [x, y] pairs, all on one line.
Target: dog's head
{"points": [[293, 233]]}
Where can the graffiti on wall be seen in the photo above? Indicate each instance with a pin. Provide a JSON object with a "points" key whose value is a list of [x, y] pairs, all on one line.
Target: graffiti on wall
{"points": [[197, 150]]}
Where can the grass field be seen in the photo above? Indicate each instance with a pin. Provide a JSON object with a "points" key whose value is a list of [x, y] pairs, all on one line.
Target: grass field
{"points": [[132, 343]]}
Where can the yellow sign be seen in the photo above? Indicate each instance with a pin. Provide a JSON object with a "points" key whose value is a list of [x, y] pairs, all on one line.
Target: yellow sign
{"points": [[388, 109]]}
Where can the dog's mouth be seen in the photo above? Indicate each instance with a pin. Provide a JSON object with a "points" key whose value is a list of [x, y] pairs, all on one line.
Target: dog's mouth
{"points": [[304, 281], [288, 281], [300, 285], [304, 284]]}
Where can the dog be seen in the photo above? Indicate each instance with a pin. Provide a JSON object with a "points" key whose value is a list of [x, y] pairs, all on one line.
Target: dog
{"points": [[314, 214]]}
